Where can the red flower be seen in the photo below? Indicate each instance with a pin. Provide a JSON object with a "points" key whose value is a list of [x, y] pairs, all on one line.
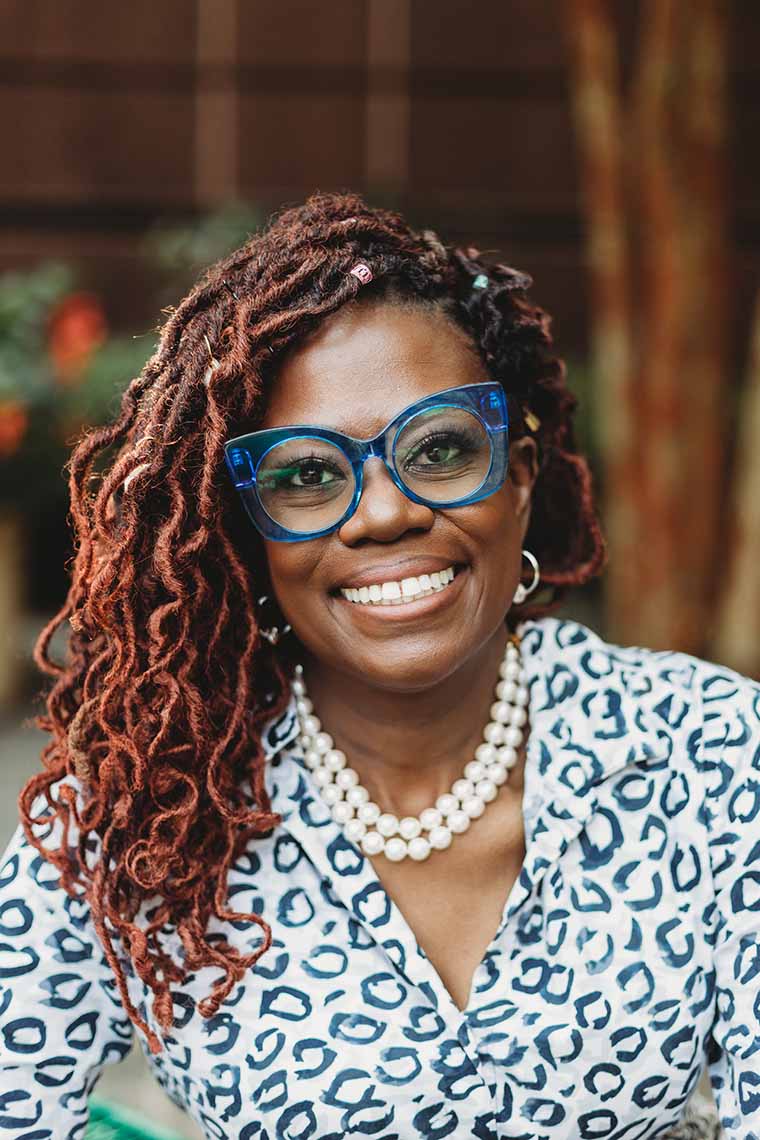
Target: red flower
{"points": [[76, 328], [13, 423]]}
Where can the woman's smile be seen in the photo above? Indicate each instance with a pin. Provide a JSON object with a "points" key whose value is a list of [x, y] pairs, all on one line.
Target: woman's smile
{"points": [[425, 599]]}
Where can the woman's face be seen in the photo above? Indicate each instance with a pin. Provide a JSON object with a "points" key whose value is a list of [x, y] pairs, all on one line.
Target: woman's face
{"points": [[355, 373]]}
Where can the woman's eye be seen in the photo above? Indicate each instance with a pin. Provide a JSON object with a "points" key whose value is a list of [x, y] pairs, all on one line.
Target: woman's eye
{"points": [[307, 474], [436, 452], [441, 452], [311, 475]]}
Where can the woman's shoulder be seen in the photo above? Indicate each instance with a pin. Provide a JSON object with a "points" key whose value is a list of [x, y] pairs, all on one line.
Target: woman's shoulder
{"points": [[705, 714], [582, 650]]}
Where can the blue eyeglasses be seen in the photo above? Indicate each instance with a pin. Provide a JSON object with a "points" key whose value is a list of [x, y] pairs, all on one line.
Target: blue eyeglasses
{"points": [[446, 450]]}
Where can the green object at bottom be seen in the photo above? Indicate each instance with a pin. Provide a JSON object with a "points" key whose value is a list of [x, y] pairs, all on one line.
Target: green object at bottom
{"points": [[109, 1121]]}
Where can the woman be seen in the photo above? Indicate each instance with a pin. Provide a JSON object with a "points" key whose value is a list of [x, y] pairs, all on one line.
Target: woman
{"points": [[360, 837]]}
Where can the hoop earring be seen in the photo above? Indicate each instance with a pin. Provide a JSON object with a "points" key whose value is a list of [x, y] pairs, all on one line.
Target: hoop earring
{"points": [[522, 592], [272, 633]]}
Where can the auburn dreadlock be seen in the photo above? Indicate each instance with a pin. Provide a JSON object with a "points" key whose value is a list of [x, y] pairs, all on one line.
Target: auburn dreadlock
{"points": [[155, 758]]}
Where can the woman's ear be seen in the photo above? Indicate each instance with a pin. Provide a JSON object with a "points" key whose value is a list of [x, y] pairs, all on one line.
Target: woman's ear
{"points": [[523, 472]]}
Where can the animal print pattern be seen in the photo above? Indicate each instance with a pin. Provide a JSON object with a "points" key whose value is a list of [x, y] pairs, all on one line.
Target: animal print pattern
{"points": [[626, 961]]}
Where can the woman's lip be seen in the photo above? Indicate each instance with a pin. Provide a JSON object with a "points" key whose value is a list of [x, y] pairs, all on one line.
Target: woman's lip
{"points": [[406, 611]]}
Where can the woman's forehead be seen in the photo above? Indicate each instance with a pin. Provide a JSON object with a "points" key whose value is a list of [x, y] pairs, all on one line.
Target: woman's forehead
{"points": [[367, 363]]}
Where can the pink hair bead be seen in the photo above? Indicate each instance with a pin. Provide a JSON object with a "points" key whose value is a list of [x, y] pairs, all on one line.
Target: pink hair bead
{"points": [[362, 272]]}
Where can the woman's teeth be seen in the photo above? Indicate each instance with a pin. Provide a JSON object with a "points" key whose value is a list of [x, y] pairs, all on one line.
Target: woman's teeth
{"points": [[396, 593]]}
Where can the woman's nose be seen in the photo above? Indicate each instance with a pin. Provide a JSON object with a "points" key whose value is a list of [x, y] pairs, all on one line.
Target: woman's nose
{"points": [[383, 512]]}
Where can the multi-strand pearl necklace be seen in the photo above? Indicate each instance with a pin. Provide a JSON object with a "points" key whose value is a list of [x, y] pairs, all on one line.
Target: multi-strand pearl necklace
{"points": [[378, 832]]}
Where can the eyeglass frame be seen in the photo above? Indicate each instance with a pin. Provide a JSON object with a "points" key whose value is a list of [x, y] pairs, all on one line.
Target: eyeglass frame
{"points": [[487, 399]]}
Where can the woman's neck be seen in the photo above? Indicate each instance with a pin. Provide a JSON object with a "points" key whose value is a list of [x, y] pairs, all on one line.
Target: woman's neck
{"points": [[408, 748]]}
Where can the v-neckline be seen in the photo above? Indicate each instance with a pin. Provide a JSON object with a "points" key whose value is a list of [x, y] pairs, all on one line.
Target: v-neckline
{"points": [[372, 904]]}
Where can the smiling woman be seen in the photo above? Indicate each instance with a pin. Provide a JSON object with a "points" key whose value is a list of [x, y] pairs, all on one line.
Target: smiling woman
{"points": [[461, 898]]}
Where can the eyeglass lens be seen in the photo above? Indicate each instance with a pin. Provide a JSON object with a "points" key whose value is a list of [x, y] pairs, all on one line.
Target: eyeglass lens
{"points": [[306, 484]]}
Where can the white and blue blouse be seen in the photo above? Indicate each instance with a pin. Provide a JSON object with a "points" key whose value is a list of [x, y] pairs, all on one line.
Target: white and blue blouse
{"points": [[626, 961]]}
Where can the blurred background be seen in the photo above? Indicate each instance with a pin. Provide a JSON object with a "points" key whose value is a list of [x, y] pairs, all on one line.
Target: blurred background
{"points": [[608, 148]]}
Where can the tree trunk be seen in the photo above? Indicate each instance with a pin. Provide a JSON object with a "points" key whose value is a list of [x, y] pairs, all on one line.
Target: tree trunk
{"points": [[737, 638], [600, 132], [652, 177]]}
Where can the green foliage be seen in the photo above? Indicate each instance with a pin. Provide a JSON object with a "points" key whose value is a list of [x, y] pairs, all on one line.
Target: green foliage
{"points": [[42, 413], [26, 301], [182, 252]]}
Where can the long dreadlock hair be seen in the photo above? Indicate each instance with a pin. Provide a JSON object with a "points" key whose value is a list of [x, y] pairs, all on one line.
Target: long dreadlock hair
{"points": [[155, 717]]}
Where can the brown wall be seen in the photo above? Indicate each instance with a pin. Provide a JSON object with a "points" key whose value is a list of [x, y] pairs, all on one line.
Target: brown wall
{"points": [[114, 115]]}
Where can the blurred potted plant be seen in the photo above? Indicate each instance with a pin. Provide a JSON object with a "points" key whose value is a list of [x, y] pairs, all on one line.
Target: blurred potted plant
{"points": [[51, 334], [62, 370]]}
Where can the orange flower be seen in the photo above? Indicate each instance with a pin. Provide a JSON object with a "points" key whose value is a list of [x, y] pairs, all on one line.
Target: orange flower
{"points": [[77, 327], [13, 423]]}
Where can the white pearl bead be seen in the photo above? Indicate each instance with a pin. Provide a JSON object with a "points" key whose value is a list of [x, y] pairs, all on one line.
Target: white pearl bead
{"points": [[312, 759], [372, 843], [462, 789], [346, 778], [513, 736], [431, 817], [486, 753], [331, 795], [474, 771], [419, 848], [355, 830], [311, 725], [493, 733], [305, 741], [298, 687], [509, 670], [322, 777], [522, 696], [342, 812], [473, 806], [304, 706], [357, 795], [395, 849], [518, 716], [506, 690], [369, 813], [508, 756], [458, 822], [486, 789], [497, 773], [501, 712], [334, 760], [409, 827], [387, 824], [323, 742], [447, 804], [440, 838]]}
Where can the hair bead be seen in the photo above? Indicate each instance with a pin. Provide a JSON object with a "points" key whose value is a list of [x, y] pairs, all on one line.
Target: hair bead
{"points": [[362, 272]]}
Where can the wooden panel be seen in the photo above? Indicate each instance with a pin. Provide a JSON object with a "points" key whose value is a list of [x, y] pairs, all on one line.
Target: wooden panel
{"points": [[145, 30], [295, 144], [110, 145], [484, 146], [298, 32], [520, 34]]}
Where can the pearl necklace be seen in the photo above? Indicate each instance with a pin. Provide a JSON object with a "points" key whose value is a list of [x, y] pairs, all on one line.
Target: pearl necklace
{"points": [[378, 832]]}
